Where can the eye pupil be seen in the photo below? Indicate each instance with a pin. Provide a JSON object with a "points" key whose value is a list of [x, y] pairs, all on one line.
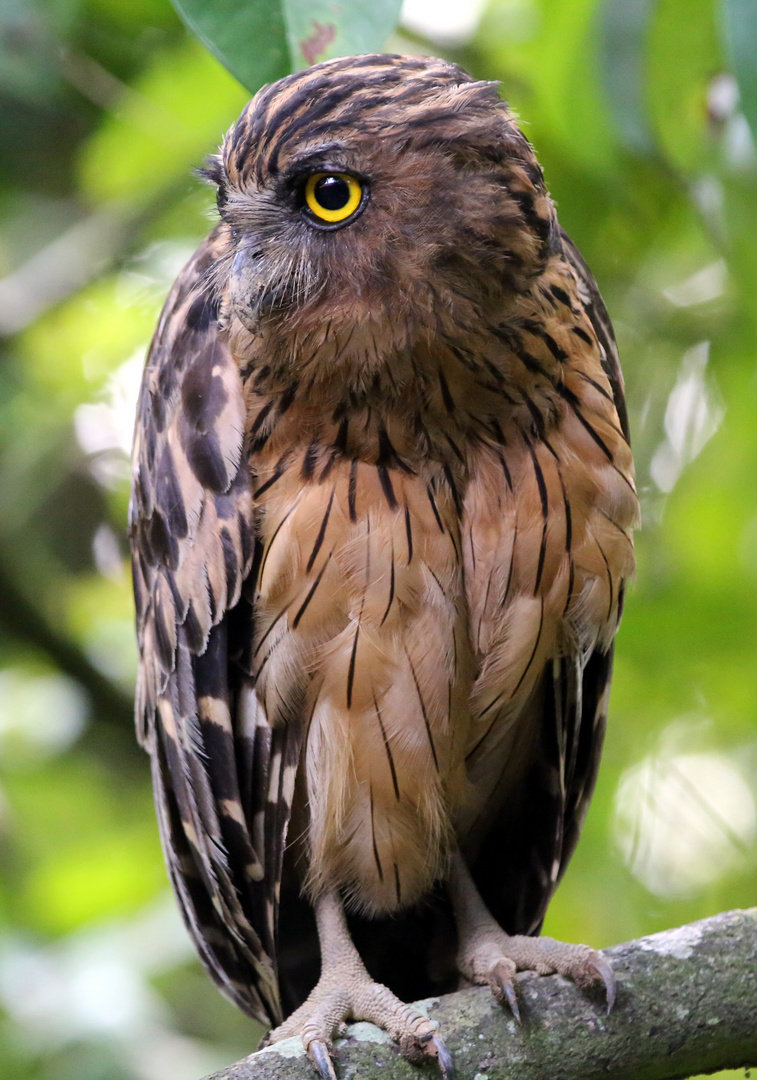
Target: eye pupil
{"points": [[332, 198], [332, 192]]}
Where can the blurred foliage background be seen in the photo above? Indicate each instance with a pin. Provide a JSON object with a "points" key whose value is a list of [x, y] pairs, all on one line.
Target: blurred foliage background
{"points": [[640, 111]]}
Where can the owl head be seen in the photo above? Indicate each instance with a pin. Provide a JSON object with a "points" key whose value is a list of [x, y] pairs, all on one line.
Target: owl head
{"points": [[368, 197]]}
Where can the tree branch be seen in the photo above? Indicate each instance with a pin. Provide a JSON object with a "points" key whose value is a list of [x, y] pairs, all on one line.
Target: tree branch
{"points": [[686, 1004]]}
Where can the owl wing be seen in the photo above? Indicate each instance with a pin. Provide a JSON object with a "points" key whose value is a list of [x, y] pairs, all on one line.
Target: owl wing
{"points": [[530, 840], [216, 762], [587, 714], [594, 306]]}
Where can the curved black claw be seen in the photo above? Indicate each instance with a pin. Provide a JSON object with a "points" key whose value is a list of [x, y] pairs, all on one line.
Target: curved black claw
{"points": [[508, 992], [604, 970], [321, 1058], [445, 1058]]}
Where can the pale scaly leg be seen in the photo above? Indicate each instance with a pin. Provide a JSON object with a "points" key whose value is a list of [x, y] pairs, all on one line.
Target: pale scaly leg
{"points": [[487, 956], [345, 991]]}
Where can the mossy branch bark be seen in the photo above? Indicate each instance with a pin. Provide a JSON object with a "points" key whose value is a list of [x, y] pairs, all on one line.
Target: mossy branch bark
{"points": [[686, 1004]]}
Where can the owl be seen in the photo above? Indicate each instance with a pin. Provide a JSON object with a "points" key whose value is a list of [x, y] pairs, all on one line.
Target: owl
{"points": [[381, 525]]}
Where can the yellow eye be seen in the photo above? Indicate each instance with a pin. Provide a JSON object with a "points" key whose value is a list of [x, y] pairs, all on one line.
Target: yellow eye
{"points": [[332, 197]]}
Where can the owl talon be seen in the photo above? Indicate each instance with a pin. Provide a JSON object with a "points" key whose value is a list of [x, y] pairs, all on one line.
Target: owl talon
{"points": [[344, 992], [507, 991], [318, 1053], [489, 956], [602, 968], [444, 1058]]}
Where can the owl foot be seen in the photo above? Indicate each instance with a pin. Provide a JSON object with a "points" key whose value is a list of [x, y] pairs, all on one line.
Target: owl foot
{"points": [[487, 956], [345, 991]]}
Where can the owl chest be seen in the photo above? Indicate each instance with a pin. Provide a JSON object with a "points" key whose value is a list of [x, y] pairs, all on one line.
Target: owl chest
{"points": [[353, 556], [361, 637]]}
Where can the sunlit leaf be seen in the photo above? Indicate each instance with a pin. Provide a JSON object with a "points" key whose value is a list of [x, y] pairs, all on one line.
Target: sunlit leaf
{"points": [[676, 94], [90, 846], [177, 115], [63, 893]]}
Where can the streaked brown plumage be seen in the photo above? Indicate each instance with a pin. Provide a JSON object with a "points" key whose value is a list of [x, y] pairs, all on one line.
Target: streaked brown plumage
{"points": [[381, 517]]}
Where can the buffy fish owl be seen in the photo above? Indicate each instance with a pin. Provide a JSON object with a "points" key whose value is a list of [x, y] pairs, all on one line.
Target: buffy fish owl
{"points": [[381, 522]]}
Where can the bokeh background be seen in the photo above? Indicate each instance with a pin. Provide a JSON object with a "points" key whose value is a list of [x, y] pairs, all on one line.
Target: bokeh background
{"points": [[640, 113]]}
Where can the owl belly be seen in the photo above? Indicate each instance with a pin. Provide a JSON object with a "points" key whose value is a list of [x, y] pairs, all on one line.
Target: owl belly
{"points": [[361, 638]]}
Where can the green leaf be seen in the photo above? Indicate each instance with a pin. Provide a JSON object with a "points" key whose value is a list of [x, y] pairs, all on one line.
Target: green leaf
{"points": [[259, 41], [740, 19], [249, 38], [319, 29]]}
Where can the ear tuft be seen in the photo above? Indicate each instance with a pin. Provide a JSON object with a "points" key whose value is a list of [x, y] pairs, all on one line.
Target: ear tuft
{"points": [[212, 170]]}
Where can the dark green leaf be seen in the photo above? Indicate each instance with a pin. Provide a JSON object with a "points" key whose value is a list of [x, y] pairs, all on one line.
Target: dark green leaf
{"points": [[624, 26], [740, 17], [249, 38]]}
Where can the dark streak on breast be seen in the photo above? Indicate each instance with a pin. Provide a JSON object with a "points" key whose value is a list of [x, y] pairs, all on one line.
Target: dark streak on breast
{"points": [[287, 398], [311, 593], [572, 401], [333, 455], [309, 460], [388, 749], [391, 591], [438, 582], [539, 481], [321, 532], [506, 471], [261, 418], [568, 515], [453, 488], [280, 469], [609, 580], [432, 500], [455, 448], [449, 404], [423, 711], [387, 455], [340, 442], [375, 846], [409, 532], [386, 486], [536, 415], [268, 631], [352, 491], [351, 670], [597, 386]]}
